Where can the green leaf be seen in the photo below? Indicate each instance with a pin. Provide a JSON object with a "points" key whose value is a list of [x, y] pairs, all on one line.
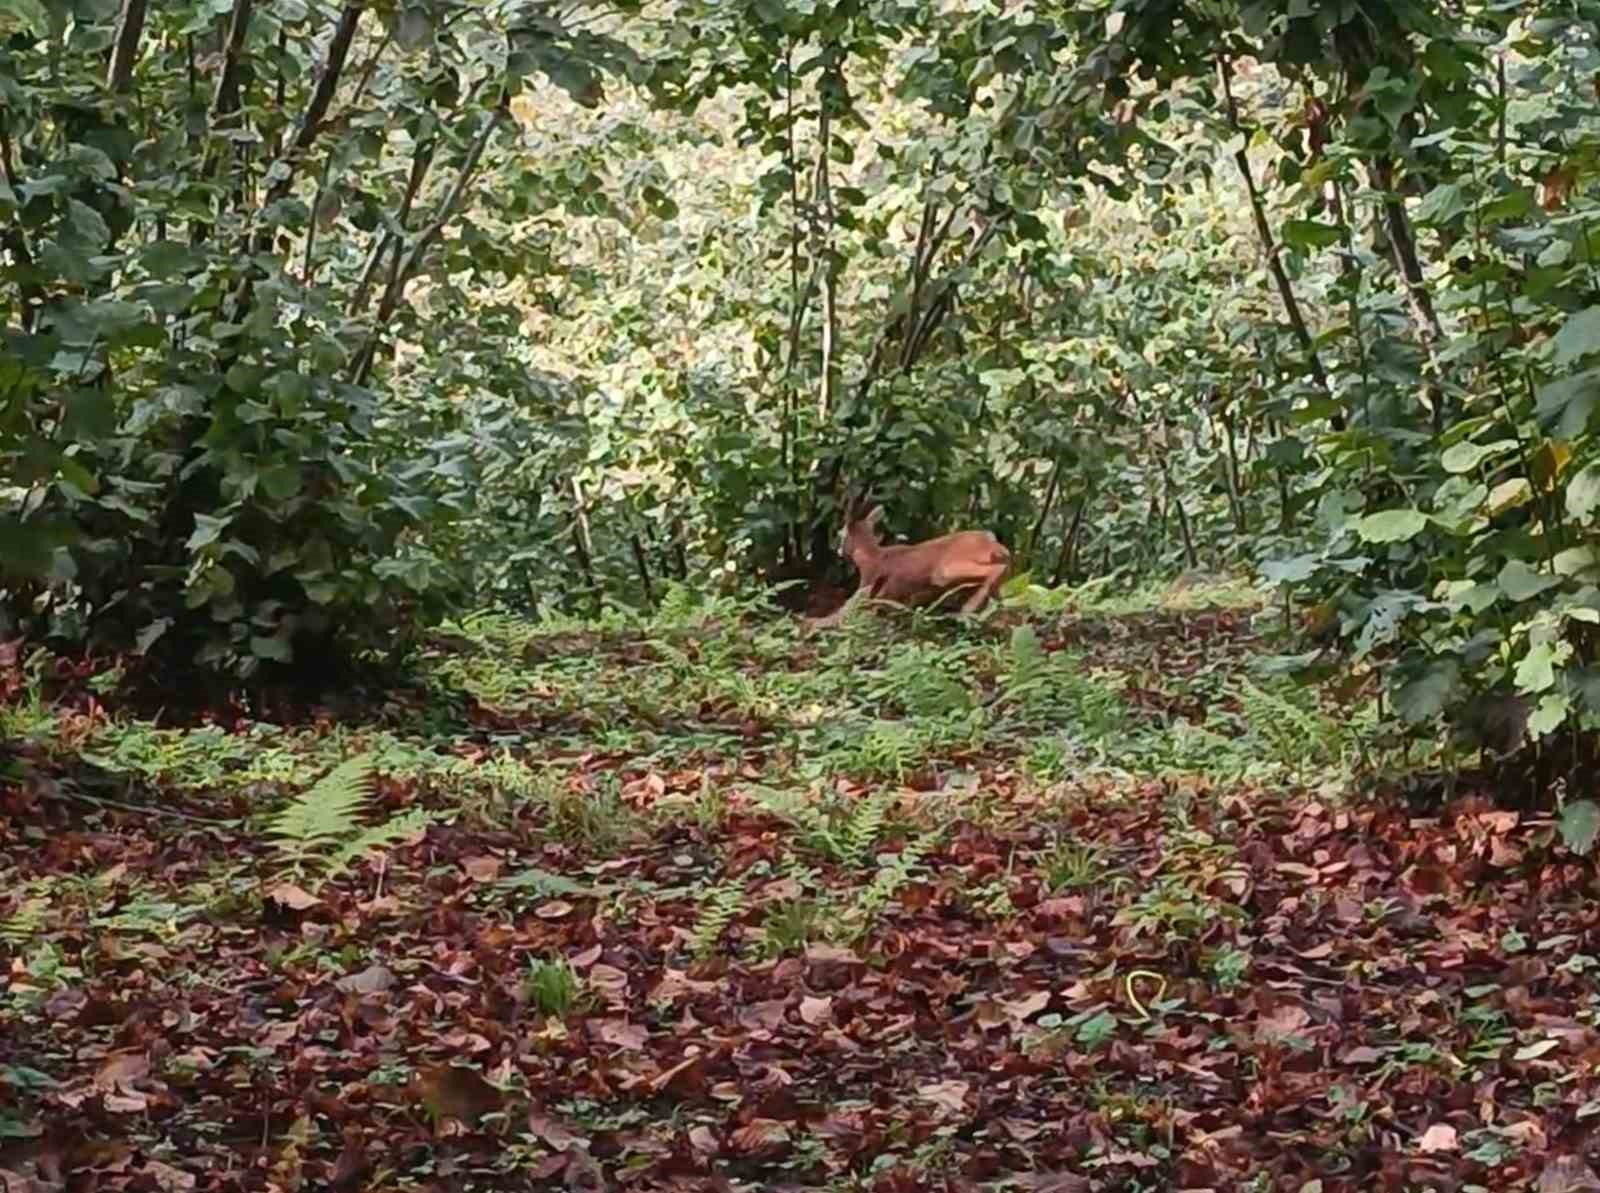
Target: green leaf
{"points": [[207, 530], [1443, 203], [1464, 457], [1508, 495], [1310, 234], [1391, 526], [1537, 670], [281, 482], [1583, 493], [414, 29], [1425, 696], [25, 550], [1569, 402], [1580, 825], [1520, 582], [1289, 571], [147, 637], [27, 15], [1579, 336], [1552, 711], [276, 648], [1574, 560]]}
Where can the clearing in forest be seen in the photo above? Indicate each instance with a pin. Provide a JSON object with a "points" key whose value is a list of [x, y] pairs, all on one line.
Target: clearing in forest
{"points": [[1070, 900]]}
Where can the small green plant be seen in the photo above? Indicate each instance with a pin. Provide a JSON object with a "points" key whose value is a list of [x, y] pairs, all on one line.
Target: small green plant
{"points": [[888, 749], [1173, 907], [894, 871], [848, 837], [1073, 865], [790, 925], [320, 832], [552, 986], [719, 907], [24, 922], [1228, 965], [1047, 759]]}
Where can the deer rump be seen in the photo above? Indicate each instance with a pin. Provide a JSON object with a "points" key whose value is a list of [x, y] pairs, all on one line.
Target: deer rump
{"points": [[922, 573], [926, 572]]}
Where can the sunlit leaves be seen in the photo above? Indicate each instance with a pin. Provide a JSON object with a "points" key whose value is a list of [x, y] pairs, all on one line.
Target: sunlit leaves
{"points": [[1580, 825], [1391, 526], [1579, 336]]}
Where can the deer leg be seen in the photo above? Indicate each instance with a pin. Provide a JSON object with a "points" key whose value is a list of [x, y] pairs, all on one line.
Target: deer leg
{"points": [[984, 591]]}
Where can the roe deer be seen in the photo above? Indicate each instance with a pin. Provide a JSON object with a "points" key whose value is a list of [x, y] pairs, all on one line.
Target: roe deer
{"points": [[919, 573]]}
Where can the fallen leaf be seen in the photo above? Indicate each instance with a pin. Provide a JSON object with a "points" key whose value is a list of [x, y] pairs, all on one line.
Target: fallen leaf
{"points": [[816, 1010], [1441, 1137], [952, 1095], [482, 869], [372, 980], [552, 1131], [167, 1178], [449, 1091], [120, 1070], [1568, 1174], [620, 1033], [286, 894], [758, 1135]]}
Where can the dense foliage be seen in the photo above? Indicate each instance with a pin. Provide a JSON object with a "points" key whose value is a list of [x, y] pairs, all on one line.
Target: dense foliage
{"points": [[320, 319]]}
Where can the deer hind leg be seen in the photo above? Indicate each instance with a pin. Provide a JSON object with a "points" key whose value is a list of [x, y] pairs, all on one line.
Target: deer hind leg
{"points": [[985, 590]]}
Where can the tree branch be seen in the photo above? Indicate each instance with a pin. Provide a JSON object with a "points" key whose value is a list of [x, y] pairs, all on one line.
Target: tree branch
{"points": [[130, 29], [1258, 210], [16, 238], [421, 160], [406, 267], [321, 98], [225, 100]]}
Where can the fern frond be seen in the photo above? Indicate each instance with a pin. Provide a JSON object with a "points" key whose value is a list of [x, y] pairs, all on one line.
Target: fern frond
{"points": [[327, 810], [377, 837], [720, 907], [862, 829], [25, 922]]}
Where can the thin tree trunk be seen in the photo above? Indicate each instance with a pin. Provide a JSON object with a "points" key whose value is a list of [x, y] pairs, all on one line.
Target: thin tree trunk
{"points": [[644, 569], [421, 160], [1045, 507], [822, 252], [317, 109], [125, 49], [405, 268], [1258, 210], [1235, 496], [225, 99], [1066, 561], [582, 542], [1403, 246], [1191, 557]]}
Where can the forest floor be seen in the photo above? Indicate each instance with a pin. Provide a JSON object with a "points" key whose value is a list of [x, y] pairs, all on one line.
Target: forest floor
{"points": [[1062, 901]]}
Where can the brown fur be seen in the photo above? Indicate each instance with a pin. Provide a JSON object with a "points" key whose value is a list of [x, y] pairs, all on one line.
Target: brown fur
{"points": [[920, 573]]}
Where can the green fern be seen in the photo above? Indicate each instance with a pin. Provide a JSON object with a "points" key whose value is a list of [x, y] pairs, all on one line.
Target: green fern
{"points": [[719, 908], [889, 748], [892, 874], [1293, 733], [322, 830], [379, 836], [26, 922], [861, 831]]}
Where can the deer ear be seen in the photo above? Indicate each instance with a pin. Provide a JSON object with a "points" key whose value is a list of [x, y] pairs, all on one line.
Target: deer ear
{"points": [[872, 518]]}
